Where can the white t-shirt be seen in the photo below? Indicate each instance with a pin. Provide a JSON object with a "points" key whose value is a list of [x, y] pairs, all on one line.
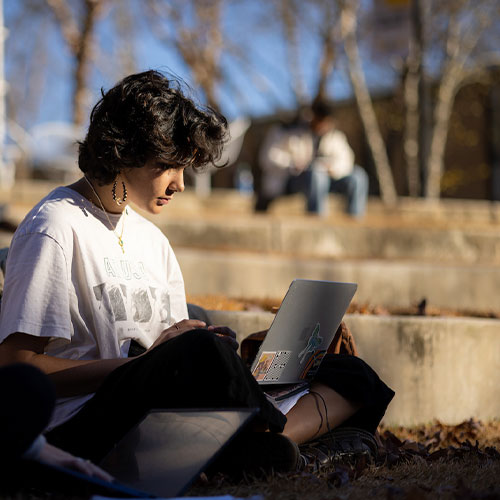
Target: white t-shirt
{"points": [[68, 279]]}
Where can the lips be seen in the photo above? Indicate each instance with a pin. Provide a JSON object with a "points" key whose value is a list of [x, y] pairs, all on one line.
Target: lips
{"points": [[162, 201]]}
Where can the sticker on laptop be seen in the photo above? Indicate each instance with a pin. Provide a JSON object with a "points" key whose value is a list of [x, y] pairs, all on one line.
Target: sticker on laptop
{"points": [[312, 364], [263, 365], [312, 344], [277, 366]]}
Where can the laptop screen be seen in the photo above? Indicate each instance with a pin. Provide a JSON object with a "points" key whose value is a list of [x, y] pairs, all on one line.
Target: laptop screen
{"points": [[166, 452]]}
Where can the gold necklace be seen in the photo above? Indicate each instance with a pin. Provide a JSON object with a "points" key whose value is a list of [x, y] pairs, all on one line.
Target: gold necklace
{"points": [[120, 238]]}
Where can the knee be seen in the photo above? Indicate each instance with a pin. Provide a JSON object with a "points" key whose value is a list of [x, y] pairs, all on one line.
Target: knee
{"points": [[29, 389], [28, 400], [319, 177], [191, 341], [359, 178]]}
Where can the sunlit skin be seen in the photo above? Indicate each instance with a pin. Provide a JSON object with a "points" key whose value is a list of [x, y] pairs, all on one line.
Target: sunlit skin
{"points": [[153, 186], [149, 188]]}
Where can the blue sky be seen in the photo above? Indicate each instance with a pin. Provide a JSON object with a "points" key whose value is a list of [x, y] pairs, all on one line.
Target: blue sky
{"points": [[253, 96]]}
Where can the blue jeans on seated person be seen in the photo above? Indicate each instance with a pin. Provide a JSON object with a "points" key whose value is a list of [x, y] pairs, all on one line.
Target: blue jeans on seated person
{"points": [[317, 184]]}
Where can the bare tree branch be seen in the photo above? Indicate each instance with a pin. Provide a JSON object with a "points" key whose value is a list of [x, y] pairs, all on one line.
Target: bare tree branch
{"points": [[413, 80], [69, 27], [84, 57], [289, 13], [364, 102], [200, 45], [80, 43], [329, 40], [460, 43]]}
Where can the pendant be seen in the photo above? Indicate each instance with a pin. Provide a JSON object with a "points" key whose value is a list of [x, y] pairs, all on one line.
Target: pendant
{"points": [[120, 242]]}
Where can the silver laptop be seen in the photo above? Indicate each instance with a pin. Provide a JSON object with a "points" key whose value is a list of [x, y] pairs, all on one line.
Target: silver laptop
{"points": [[302, 331], [166, 452]]}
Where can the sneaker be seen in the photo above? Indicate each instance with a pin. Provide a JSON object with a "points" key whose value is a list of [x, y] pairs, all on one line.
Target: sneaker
{"points": [[344, 444], [258, 453]]}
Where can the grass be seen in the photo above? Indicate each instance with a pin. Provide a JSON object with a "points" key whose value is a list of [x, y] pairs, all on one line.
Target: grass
{"points": [[415, 479], [435, 461]]}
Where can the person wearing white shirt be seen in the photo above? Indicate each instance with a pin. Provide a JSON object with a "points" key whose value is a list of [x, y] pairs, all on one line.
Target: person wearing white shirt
{"points": [[88, 277], [315, 160]]}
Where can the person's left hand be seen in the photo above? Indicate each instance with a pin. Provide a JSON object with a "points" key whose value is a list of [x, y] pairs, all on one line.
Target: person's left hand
{"points": [[226, 334], [52, 455]]}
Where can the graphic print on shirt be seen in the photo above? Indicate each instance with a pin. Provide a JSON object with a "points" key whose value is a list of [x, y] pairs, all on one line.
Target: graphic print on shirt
{"points": [[132, 301], [124, 269], [141, 306], [165, 309], [117, 303]]}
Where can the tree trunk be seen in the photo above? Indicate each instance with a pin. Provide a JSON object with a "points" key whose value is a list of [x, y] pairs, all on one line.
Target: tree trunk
{"points": [[365, 105], [412, 81], [327, 63], [412, 120], [83, 60], [442, 114], [289, 12], [79, 41], [459, 46]]}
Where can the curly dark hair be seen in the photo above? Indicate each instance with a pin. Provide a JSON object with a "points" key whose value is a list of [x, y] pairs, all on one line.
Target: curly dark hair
{"points": [[146, 116]]}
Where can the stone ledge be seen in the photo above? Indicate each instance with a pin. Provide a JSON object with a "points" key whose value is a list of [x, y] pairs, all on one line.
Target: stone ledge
{"points": [[28, 192], [440, 368], [390, 283], [310, 237]]}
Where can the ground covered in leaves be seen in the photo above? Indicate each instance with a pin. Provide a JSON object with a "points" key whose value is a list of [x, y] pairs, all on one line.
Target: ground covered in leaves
{"points": [[223, 303], [436, 461], [427, 462]]}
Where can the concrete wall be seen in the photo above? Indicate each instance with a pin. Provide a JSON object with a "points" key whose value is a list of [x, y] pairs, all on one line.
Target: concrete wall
{"points": [[440, 368], [393, 283], [312, 237]]}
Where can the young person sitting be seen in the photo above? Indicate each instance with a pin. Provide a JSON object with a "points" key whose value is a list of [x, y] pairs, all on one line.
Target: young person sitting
{"points": [[87, 276]]}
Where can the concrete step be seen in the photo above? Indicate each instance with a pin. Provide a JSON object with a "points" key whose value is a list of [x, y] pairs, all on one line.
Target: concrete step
{"points": [[228, 201], [380, 282], [440, 368], [312, 237], [450, 231]]}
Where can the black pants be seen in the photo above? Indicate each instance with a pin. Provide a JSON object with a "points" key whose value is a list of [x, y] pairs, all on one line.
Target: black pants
{"points": [[354, 380], [193, 370], [26, 402]]}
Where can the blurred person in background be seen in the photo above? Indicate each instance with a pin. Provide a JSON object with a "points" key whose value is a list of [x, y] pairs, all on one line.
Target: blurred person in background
{"points": [[314, 159]]}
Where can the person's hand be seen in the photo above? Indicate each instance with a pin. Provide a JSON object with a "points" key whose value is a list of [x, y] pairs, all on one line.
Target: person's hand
{"points": [[55, 456], [176, 329], [226, 334]]}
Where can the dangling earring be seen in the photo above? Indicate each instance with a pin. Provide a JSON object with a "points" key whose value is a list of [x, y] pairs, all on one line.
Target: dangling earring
{"points": [[119, 201]]}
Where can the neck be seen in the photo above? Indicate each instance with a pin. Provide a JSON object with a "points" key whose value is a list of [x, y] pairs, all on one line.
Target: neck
{"points": [[100, 196]]}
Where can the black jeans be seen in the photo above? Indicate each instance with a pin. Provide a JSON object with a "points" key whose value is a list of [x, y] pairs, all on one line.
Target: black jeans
{"points": [[198, 370], [193, 370], [27, 400]]}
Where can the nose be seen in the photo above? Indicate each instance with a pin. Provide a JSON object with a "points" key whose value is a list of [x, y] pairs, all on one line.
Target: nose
{"points": [[177, 183]]}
